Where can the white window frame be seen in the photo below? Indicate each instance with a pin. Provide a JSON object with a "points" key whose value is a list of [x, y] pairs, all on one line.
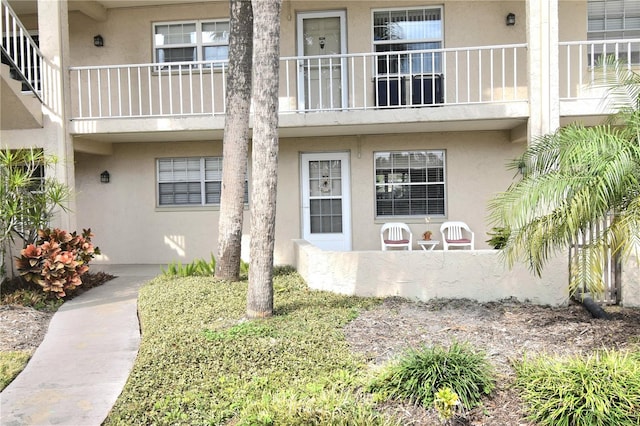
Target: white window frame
{"points": [[199, 44], [388, 186], [437, 67], [619, 20], [202, 180], [622, 23]]}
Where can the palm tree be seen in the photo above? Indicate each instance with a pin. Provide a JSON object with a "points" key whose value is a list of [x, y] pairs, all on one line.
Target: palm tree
{"points": [[572, 179], [266, 61], [236, 140]]}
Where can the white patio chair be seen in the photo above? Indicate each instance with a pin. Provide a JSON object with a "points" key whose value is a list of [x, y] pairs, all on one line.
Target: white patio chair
{"points": [[396, 235], [456, 234]]}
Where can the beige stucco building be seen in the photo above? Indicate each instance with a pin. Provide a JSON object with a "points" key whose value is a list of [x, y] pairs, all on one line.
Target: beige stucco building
{"points": [[389, 111]]}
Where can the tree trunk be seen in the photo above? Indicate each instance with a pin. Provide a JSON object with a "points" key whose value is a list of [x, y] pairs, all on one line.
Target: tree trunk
{"points": [[236, 140], [266, 61]]}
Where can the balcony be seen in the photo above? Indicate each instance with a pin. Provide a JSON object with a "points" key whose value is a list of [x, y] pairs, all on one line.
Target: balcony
{"points": [[341, 93], [473, 88]]}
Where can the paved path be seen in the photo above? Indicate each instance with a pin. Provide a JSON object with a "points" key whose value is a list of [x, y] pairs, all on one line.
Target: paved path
{"points": [[77, 373]]}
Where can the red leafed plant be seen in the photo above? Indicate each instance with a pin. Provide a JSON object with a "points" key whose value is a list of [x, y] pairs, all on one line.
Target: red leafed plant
{"points": [[57, 260]]}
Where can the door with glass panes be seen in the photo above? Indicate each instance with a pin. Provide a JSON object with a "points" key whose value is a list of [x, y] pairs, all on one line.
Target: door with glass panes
{"points": [[326, 204]]}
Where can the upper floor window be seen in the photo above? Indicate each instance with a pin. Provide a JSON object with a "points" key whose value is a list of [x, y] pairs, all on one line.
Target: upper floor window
{"points": [[410, 183], [190, 41], [403, 30], [191, 181], [614, 20]]}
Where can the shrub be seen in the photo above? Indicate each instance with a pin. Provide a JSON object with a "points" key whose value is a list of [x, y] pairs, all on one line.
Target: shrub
{"points": [[600, 389], [28, 200], [31, 298], [446, 402], [419, 373], [197, 268], [57, 260]]}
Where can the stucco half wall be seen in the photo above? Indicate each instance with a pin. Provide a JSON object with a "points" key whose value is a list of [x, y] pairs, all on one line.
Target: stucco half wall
{"points": [[631, 282], [423, 275]]}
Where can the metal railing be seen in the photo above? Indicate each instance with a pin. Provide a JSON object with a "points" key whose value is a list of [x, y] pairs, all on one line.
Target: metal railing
{"points": [[360, 81], [579, 258], [20, 51], [584, 65]]}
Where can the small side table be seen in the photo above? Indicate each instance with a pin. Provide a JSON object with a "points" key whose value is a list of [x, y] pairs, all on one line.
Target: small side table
{"points": [[428, 245]]}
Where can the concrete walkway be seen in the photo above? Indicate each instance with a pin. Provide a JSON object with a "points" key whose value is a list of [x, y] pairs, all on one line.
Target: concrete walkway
{"points": [[79, 370]]}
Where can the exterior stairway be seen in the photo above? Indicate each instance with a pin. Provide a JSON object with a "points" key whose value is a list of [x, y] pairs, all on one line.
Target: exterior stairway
{"points": [[18, 109]]}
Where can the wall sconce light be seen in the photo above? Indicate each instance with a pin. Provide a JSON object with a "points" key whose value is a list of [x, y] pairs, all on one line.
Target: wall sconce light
{"points": [[104, 177], [98, 41], [511, 19], [322, 41]]}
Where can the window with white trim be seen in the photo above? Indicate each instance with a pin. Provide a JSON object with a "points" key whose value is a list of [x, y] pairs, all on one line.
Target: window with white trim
{"points": [[191, 41], [614, 20], [400, 30], [191, 181], [410, 183]]}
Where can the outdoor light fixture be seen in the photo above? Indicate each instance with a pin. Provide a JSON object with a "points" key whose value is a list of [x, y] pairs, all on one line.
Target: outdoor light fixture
{"points": [[98, 41], [104, 177], [511, 19]]}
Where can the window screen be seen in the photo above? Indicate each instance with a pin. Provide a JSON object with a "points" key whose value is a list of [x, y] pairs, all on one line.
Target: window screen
{"points": [[191, 181], [410, 183]]}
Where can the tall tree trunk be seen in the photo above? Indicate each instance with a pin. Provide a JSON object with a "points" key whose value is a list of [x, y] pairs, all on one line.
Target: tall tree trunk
{"points": [[236, 140], [266, 59]]}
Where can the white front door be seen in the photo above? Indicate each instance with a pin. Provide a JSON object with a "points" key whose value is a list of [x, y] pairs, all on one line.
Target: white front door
{"points": [[322, 72], [326, 202]]}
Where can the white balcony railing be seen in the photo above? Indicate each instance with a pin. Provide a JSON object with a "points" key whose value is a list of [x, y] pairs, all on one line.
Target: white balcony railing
{"points": [[19, 51], [359, 81], [584, 70]]}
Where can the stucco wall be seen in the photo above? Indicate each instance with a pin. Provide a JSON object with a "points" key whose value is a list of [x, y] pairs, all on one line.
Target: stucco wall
{"points": [[630, 281], [130, 228], [423, 275]]}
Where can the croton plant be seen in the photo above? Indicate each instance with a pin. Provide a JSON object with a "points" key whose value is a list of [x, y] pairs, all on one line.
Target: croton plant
{"points": [[57, 260]]}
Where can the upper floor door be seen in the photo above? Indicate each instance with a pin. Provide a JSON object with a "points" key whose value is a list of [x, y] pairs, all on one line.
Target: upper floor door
{"points": [[322, 72]]}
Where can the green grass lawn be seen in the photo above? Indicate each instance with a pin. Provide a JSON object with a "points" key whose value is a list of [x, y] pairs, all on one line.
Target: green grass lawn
{"points": [[11, 364], [200, 362]]}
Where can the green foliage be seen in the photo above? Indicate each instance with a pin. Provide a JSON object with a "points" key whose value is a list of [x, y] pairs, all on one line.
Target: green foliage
{"points": [[28, 201], [499, 237], [11, 364], [197, 268], [200, 362], [572, 179], [445, 403], [283, 270], [336, 407], [57, 260], [418, 374], [244, 328], [32, 298], [600, 389], [202, 268]]}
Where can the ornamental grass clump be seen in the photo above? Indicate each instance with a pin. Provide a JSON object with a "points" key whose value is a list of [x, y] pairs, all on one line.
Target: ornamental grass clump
{"points": [[419, 373], [600, 389]]}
